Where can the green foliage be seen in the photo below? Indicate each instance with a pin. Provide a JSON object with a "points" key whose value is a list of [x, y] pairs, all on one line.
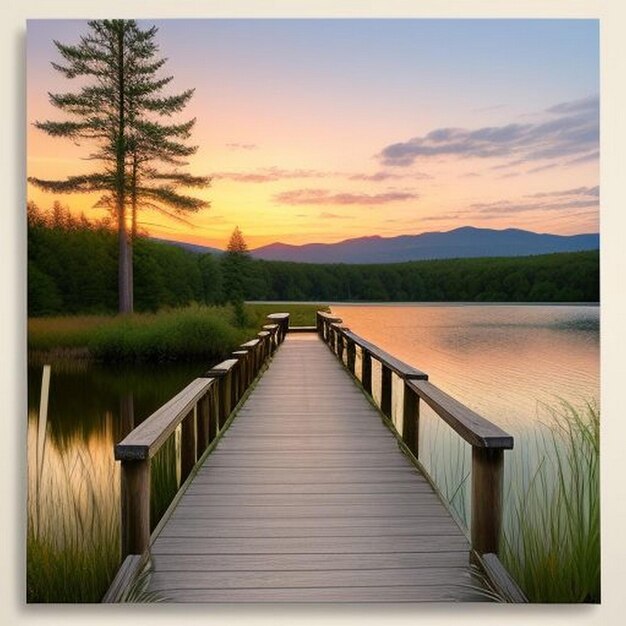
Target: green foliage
{"points": [[183, 334], [73, 269]]}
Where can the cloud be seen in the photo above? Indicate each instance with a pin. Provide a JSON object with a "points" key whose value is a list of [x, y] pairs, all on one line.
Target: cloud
{"points": [[323, 196], [542, 168], [568, 129], [335, 216], [505, 207], [470, 175], [273, 174], [242, 146], [270, 174], [578, 191], [382, 176]]}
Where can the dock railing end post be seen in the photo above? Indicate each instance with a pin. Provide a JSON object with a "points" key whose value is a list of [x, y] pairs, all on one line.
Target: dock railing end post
{"points": [[135, 506], [487, 471]]}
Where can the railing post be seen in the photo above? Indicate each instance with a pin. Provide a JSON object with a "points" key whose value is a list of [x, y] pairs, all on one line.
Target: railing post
{"points": [[351, 355], [214, 412], [225, 397], [202, 424], [410, 420], [340, 346], [487, 465], [188, 444], [385, 390], [242, 356], [366, 370], [135, 514]]}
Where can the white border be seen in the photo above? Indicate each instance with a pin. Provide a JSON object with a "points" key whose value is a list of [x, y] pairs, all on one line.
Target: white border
{"points": [[13, 609]]}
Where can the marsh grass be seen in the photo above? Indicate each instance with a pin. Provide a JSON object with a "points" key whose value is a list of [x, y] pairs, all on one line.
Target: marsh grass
{"points": [[73, 531], [551, 529], [552, 536]]}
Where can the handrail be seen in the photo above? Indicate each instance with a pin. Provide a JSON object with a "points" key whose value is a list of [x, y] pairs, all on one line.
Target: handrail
{"points": [[476, 430], [201, 409], [401, 368], [145, 440], [488, 441]]}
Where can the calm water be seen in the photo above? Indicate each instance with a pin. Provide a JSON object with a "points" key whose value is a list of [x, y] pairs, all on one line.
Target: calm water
{"points": [[511, 364]]}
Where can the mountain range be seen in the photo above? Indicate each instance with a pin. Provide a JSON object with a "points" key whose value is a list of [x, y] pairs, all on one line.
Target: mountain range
{"points": [[463, 242]]}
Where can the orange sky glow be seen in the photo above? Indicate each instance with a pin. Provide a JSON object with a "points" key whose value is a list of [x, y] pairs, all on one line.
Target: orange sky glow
{"points": [[319, 131]]}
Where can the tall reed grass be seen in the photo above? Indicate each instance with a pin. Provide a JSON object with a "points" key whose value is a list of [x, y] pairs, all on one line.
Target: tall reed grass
{"points": [[551, 534], [552, 537], [73, 531]]}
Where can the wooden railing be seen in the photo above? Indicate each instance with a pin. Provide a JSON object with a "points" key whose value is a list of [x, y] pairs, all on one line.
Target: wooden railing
{"points": [[201, 409], [488, 441]]}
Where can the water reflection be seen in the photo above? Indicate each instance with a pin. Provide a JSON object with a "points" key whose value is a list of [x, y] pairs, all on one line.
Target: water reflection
{"points": [[73, 480], [511, 364]]}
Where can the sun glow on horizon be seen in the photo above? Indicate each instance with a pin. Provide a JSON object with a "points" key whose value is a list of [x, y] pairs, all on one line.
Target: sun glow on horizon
{"points": [[306, 143]]}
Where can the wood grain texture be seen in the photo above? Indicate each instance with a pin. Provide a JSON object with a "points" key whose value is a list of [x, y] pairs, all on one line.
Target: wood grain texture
{"points": [[308, 498]]}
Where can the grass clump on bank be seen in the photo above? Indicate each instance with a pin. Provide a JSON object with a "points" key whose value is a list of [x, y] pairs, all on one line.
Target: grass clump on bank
{"points": [[552, 543], [181, 334], [299, 314], [175, 334]]}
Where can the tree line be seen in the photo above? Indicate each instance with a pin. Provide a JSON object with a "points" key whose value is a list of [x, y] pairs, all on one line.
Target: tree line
{"points": [[72, 268]]}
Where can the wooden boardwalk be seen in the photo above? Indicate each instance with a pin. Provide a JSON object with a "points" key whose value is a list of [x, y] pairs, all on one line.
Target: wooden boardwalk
{"points": [[308, 498]]}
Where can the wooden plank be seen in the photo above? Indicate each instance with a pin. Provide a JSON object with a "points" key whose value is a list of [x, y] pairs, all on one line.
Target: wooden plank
{"points": [[210, 512], [332, 578], [501, 579], [219, 488], [438, 527], [306, 545], [300, 476], [221, 369], [476, 430], [145, 440], [408, 593], [379, 500], [311, 562], [125, 576]]}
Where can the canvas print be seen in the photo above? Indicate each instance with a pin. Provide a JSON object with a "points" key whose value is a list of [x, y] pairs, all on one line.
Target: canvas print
{"points": [[313, 311]]}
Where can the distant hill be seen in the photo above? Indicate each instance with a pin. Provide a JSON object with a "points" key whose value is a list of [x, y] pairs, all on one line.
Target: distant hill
{"points": [[462, 242], [192, 247]]}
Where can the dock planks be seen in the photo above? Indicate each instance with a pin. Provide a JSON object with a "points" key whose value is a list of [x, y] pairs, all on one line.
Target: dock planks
{"points": [[307, 498]]}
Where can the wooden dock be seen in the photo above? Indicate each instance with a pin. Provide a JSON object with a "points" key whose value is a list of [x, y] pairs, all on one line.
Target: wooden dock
{"points": [[306, 496]]}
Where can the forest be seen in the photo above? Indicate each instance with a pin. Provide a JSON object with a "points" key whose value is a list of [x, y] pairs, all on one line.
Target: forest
{"points": [[73, 268]]}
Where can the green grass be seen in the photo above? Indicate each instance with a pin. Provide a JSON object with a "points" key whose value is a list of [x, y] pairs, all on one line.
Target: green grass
{"points": [[299, 314], [552, 539], [551, 528], [175, 334]]}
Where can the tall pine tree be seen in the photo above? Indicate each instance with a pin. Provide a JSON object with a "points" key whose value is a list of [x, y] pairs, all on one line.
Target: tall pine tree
{"points": [[118, 109]]}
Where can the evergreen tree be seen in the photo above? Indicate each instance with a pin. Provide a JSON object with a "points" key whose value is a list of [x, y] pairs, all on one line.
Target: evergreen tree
{"points": [[235, 263], [117, 109]]}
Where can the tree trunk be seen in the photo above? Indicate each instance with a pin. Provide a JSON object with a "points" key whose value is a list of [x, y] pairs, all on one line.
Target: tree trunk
{"points": [[125, 302]]}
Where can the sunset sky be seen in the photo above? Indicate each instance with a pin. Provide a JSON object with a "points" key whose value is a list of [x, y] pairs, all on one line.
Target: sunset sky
{"points": [[323, 130]]}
